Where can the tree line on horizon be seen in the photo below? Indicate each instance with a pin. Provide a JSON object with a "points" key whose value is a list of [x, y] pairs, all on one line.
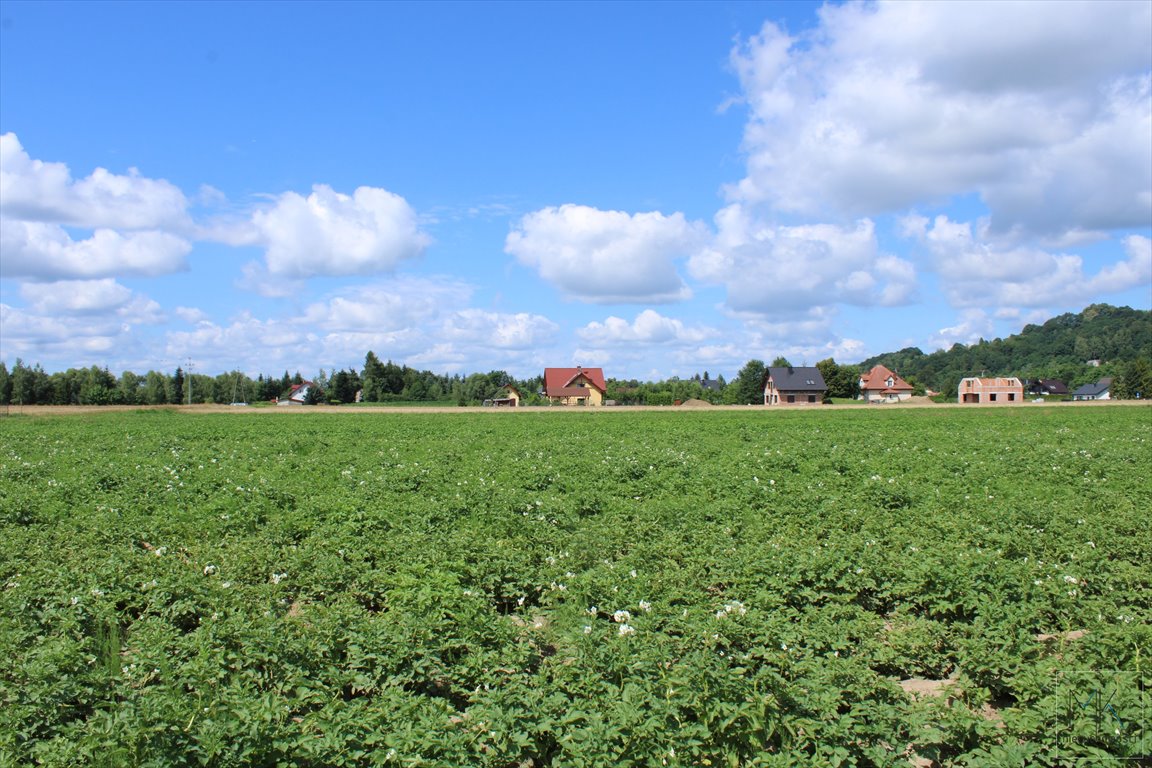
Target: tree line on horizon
{"points": [[1102, 341], [376, 382]]}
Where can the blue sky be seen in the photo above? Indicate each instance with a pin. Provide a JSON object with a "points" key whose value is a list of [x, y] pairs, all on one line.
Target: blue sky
{"points": [[655, 188]]}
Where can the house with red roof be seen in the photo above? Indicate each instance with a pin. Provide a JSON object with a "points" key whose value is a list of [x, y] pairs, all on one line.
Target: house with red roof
{"points": [[881, 385], [298, 394], [575, 386]]}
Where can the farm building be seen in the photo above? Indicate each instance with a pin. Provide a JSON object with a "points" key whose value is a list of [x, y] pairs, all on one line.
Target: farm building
{"points": [[575, 386], [1101, 390], [787, 385], [881, 385], [509, 397], [996, 391]]}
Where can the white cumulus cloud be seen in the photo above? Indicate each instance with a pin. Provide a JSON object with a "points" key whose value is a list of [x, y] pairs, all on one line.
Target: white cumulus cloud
{"points": [[387, 306], [330, 233], [973, 325], [45, 251], [500, 330], [783, 270], [890, 105], [76, 323], [76, 296], [136, 224], [607, 256], [649, 327], [38, 191], [979, 269]]}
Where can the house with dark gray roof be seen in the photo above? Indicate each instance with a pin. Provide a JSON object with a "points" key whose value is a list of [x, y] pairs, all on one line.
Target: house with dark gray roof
{"points": [[712, 385], [1042, 387], [1101, 390], [789, 385]]}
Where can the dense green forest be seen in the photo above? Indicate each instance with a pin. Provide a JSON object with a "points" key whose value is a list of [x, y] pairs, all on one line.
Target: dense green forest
{"points": [[1119, 338], [378, 382]]}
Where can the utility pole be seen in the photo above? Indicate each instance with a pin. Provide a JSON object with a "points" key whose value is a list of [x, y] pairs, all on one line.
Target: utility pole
{"points": [[189, 381]]}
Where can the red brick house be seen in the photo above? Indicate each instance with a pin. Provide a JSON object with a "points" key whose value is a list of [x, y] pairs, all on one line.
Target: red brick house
{"points": [[788, 385], [575, 386]]}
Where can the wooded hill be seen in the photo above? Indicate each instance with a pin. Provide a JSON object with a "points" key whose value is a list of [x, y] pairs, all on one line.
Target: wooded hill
{"points": [[1120, 338]]}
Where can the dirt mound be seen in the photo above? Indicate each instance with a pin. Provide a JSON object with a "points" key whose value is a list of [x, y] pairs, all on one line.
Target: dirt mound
{"points": [[695, 403]]}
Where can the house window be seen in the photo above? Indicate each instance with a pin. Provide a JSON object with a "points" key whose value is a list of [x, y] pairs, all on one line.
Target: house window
{"points": [[992, 397], [1011, 396], [811, 398], [791, 398]]}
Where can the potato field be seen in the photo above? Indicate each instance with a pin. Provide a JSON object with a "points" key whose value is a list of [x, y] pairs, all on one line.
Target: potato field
{"points": [[829, 587]]}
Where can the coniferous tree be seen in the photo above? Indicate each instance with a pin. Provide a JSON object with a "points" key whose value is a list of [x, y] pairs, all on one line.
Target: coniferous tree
{"points": [[176, 393], [372, 378], [1135, 381]]}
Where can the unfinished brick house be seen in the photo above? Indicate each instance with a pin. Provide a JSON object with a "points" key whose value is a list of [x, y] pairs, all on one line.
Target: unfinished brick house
{"points": [[1002, 390]]}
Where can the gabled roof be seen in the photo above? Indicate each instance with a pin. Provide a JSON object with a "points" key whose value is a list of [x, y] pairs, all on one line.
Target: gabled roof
{"points": [[1092, 390], [877, 378], [1050, 386], [791, 378], [299, 392], [557, 379]]}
